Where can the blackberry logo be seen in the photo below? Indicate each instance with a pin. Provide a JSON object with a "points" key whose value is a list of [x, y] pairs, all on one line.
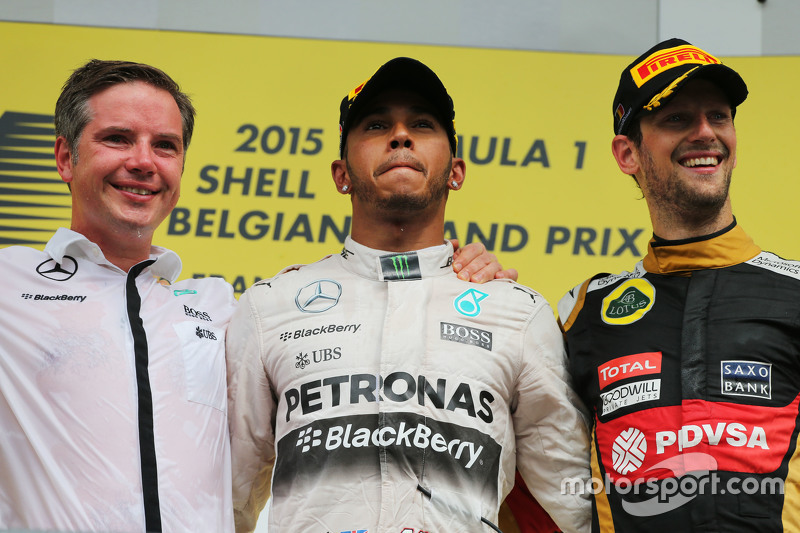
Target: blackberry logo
{"points": [[628, 451], [321, 330], [27, 296], [308, 438]]}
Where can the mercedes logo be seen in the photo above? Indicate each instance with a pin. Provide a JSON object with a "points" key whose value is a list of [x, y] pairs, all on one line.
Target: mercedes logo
{"points": [[318, 296], [58, 272]]}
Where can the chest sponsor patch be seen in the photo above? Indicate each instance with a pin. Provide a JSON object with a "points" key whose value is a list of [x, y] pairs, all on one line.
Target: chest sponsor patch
{"points": [[628, 366], [740, 438], [746, 378], [628, 303], [630, 394]]}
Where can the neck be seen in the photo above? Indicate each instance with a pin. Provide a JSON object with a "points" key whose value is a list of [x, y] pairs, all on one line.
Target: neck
{"points": [[399, 233], [123, 250], [673, 226]]}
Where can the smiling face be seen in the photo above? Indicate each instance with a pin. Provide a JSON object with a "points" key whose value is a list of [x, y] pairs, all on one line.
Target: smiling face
{"points": [[397, 156], [686, 157], [126, 177]]}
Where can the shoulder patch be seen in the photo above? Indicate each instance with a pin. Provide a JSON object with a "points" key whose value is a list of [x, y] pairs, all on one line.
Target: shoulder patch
{"points": [[628, 302], [777, 264]]}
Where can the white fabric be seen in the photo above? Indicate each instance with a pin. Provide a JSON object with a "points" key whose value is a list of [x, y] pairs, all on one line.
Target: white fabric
{"points": [[345, 390], [69, 448]]}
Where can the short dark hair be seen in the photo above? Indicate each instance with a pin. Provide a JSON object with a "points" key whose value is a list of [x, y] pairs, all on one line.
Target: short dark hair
{"points": [[72, 108]]}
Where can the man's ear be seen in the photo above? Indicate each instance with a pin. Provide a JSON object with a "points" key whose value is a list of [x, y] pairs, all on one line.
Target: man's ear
{"points": [[458, 173], [340, 176], [63, 160], [626, 153]]}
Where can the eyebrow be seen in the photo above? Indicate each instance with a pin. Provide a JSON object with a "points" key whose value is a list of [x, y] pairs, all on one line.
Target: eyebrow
{"points": [[384, 109]]}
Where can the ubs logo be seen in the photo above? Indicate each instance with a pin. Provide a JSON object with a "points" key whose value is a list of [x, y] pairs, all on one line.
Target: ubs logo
{"points": [[58, 272]]}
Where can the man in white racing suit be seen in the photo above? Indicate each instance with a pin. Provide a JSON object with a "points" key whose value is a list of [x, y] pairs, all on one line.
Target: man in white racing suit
{"points": [[374, 391]]}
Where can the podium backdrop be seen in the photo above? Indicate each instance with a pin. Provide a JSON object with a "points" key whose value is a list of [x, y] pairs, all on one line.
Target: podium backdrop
{"points": [[542, 189]]}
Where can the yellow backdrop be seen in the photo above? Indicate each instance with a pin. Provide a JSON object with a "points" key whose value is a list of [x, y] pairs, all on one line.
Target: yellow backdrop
{"points": [[542, 188]]}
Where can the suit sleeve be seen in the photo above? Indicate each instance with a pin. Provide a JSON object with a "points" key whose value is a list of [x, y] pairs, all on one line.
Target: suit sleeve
{"points": [[551, 427], [251, 415]]}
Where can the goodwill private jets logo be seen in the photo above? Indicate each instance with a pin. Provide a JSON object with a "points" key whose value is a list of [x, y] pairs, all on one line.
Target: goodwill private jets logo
{"points": [[318, 296], [629, 302]]}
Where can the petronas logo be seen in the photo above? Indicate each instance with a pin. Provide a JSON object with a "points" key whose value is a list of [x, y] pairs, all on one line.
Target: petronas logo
{"points": [[629, 302]]}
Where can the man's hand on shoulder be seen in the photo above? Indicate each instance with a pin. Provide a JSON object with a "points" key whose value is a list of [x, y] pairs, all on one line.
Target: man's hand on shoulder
{"points": [[476, 264]]}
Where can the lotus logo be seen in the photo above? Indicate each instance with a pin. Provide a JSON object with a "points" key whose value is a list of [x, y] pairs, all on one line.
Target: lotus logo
{"points": [[58, 271], [318, 296]]}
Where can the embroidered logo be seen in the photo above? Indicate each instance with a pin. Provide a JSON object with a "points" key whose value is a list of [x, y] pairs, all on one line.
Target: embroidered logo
{"points": [[629, 302]]}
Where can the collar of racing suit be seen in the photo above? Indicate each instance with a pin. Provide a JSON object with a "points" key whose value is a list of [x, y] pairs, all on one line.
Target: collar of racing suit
{"points": [[381, 265], [167, 264], [724, 248]]}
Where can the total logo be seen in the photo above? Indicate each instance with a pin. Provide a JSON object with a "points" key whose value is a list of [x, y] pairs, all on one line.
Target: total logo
{"points": [[629, 449]]}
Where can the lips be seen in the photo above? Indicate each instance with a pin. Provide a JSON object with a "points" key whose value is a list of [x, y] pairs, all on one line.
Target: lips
{"points": [[134, 190], [400, 162]]}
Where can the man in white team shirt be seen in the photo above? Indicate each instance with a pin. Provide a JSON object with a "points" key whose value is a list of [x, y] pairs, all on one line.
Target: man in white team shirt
{"points": [[112, 381]]}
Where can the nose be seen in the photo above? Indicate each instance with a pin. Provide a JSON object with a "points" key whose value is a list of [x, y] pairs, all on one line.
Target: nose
{"points": [[140, 159], [401, 137], [703, 130]]}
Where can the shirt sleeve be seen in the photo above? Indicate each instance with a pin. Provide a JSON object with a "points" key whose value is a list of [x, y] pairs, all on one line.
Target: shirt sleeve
{"points": [[551, 427], [251, 415]]}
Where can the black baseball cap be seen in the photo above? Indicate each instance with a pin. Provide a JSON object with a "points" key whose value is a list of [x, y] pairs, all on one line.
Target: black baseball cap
{"points": [[399, 73], [656, 75]]}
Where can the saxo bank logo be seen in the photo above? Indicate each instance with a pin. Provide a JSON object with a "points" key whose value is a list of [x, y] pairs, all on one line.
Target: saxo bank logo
{"points": [[318, 296]]}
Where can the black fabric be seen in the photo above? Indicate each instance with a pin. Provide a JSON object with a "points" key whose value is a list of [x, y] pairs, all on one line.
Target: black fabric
{"points": [[147, 445]]}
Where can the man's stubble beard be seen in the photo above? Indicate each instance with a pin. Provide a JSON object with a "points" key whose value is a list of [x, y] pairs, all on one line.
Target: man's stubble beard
{"points": [[676, 196], [400, 203]]}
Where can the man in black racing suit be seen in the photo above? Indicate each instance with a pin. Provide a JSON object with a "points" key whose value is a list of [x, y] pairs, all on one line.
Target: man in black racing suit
{"points": [[690, 364]]}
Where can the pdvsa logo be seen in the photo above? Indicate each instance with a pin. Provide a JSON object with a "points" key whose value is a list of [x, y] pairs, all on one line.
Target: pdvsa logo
{"points": [[628, 451], [629, 302]]}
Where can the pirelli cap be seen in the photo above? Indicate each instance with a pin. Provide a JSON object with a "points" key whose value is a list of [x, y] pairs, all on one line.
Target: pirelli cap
{"points": [[399, 73], [655, 76]]}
